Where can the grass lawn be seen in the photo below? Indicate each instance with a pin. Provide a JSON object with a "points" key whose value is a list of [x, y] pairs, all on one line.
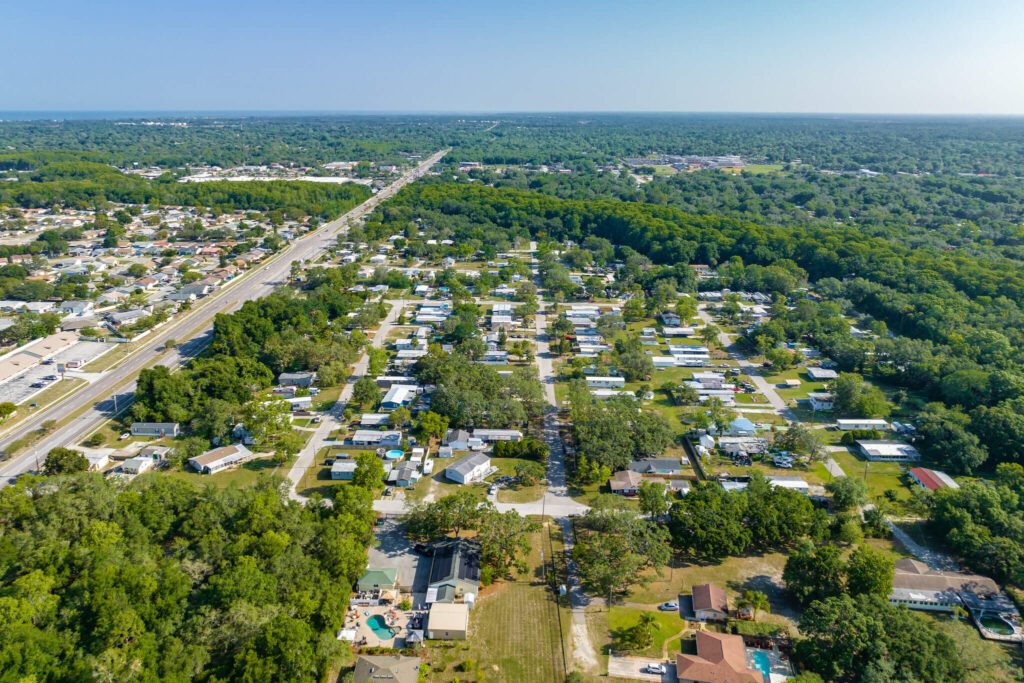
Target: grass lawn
{"points": [[514, 633], [521, 494], [762, 168], [880, 476], [734, 574], [621, 619], [246, 475], [986, 661], [327, 397]]}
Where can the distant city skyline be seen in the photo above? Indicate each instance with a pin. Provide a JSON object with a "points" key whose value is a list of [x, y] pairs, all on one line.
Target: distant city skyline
{"points": [[451, 56]]}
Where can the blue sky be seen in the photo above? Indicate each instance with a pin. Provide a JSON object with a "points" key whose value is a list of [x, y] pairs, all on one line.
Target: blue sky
{"points": [[896, 56]]}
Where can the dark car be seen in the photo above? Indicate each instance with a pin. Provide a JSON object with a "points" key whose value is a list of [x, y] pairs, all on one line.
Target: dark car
{"points": [[51, 378], [37, 385]]}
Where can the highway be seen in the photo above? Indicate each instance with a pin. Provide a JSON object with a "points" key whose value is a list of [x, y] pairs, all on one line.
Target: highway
{"points": [[99, 400]]}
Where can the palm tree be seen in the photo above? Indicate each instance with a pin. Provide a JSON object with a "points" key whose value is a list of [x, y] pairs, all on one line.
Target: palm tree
{"points": [[644, 630], [755, 601]]}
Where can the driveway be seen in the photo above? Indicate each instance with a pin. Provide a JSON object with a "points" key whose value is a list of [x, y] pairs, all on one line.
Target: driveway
{"points": [[393, 549], [631, 667]]}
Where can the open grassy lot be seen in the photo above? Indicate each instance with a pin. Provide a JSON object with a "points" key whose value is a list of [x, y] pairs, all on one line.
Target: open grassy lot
{"points": [[669, 626], [514, 633], [880, 476], [756, 169], [985, 661], [246, 475], [734, 574]]}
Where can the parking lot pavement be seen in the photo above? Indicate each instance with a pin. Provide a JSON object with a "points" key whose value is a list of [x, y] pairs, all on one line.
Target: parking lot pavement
{"points": [[19, 389], [631, 667]]}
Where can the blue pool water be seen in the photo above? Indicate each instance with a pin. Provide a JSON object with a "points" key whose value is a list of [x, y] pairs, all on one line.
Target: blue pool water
{"points": [[763, 664], [379, 627], [394, 454]]}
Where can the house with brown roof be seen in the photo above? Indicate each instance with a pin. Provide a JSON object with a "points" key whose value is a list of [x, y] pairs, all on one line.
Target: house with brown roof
{"points": [[625, 483], [710, 603], [720, 658]]}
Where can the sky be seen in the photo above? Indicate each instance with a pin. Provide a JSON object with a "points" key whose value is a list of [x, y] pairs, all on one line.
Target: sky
{"points": [[848, 56]]}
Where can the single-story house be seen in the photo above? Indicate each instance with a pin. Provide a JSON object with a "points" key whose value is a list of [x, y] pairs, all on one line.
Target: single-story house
{"points": [[156, 453], [664, 466], [97, 461], [821, 374], [388, 380], [606, 382], [385, 578], [472, 468], [797, 484], [821, 400], [862, 424], [137, 465], [461, 440], [742, 426], [296, 403], [387, 668], [625, 483], [374, 420], [398, 395], [371, 437], [157, 429], [493, 435], [933, 480], [448, 621], [220, 458], [454, 571], [720, 658], [77, 308], [343, 470], [405, 474], [917, 586], [710, 603], [737, 445], [888, 451], [297, 379]]}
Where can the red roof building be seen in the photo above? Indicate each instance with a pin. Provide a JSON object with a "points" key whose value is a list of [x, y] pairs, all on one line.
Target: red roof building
{"points": [[933, 480]]}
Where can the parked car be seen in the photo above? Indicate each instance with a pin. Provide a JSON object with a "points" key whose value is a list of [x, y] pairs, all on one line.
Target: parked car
{"points": [[37, 385], [124, 435], [670, 606], [654, 669], [51, 378]]}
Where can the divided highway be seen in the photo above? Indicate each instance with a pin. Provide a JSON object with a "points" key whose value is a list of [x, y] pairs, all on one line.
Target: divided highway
{"points": [[95, 402]]}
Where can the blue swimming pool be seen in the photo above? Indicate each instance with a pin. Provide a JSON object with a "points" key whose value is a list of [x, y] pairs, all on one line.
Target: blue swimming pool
{"points": [[379, 627], [763, 664], [394, 454]]}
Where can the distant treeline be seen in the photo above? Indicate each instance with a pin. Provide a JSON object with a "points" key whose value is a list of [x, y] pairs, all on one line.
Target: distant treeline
{"points": [[84, 184]]}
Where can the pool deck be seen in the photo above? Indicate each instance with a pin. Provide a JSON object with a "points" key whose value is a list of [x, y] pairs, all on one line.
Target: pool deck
{"points": [[779, 667], [359, 616]]}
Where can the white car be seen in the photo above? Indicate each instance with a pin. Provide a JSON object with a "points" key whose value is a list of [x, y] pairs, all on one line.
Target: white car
{"points": [[654, 669]]}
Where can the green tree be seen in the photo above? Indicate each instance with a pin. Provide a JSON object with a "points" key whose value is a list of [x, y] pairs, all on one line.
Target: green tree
{"points": [[870, 571], [369, 473], [653, 502], [65, 461], [755, 601], [365, 393], [847, 492], [815, 573], [433, 424]]}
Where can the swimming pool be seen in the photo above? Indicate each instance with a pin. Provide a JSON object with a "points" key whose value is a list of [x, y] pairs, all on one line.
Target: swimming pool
{"points": [[379, 627], [394, 454], [763, 664], [996, 624]]}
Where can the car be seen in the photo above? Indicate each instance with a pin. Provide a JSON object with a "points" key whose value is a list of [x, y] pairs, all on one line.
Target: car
{"points": [[124, 435], [493, 490], [670, 606], [37, 385], [49, 361], [654, 669], [51, 378], [33, 405], [387, 492]]}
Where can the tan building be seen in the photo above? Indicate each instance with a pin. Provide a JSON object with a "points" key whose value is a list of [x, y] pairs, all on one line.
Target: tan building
{"points": [[448, 621], [710, 603]]}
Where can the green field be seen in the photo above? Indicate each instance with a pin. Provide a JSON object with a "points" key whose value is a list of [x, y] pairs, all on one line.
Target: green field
{"points": [[514, 632], [880, 476], [669, 626]]}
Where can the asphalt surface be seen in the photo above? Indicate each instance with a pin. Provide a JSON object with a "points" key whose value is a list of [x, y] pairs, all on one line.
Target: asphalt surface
{"points": [[110, 393]]}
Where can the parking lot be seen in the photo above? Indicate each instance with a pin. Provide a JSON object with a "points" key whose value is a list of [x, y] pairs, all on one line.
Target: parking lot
{"points": [[19, 389], [632, 667]]}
